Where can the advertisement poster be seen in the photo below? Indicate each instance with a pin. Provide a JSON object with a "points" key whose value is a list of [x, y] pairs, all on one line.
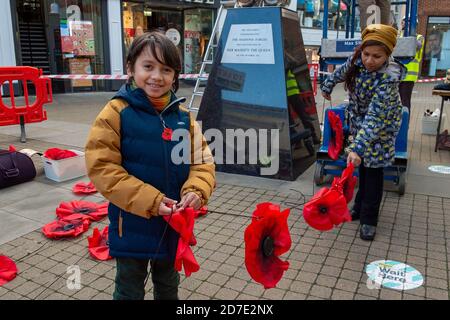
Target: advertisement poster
{"points": [[80, 66], [66, 39], [82, 33], [249, 43]]}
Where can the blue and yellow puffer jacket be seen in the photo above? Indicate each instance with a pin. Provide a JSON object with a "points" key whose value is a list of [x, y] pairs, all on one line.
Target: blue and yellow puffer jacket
{"points": [[130, 164], [374, 110]]}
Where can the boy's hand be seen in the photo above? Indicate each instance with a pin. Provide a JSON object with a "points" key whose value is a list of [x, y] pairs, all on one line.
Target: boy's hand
{"points": [[190, 199], [353, 158], [167, 206], [327, 96]]}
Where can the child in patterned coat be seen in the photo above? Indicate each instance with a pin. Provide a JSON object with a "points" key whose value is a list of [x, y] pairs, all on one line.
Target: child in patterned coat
{"points": [[372, 78]]}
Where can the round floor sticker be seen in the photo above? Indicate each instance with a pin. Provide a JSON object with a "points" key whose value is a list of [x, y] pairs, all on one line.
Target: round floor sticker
{"points": [[394, 275], [440, 169]]}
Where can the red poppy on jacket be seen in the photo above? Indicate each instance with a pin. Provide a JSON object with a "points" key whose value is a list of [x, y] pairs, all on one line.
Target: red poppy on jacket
{"points": [[68, 227], [98, 244], [183, 223], [337, 135], [266, 238], [12, 148], [346, 183], [94, 211], [8, 270], [58, 154], [326, 209], [84, 188]]}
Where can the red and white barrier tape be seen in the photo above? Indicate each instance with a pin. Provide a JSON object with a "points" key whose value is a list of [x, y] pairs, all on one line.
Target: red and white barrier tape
{"points": [[431, 80], [109, 76], [182, 76]]}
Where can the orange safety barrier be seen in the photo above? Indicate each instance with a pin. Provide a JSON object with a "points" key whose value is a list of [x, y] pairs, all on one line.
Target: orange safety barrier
{"points": [[25, 113]]}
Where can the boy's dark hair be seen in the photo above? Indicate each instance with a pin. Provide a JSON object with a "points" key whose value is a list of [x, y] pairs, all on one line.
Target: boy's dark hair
{"points": [[153, 40], [352, 72]]}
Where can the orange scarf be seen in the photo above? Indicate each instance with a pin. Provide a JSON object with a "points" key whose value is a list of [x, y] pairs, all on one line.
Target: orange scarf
{"points": [[160, 103]]}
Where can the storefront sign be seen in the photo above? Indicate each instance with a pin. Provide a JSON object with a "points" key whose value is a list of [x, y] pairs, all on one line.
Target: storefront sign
{"points": [[250, 44], [346, 45], [174, 36], [394, 275]]}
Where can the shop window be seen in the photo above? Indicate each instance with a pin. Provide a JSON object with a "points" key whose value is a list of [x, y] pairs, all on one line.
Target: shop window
{"points": [[436, 56], [78, 40]]}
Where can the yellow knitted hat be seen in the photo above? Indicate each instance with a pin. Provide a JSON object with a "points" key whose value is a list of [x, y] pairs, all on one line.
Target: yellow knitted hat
{"points": [[385, 34]]}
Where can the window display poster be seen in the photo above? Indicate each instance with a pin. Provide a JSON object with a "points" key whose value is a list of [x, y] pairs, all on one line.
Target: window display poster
{"points": [[80, 66], [66, 39], [249, 43], [82, 34]]}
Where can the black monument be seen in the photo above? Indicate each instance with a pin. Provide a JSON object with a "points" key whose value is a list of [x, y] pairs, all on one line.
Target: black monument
{"points": [[263, 131]]}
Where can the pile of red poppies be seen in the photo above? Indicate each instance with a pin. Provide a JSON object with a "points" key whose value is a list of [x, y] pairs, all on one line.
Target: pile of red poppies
{"points": [[328, 207]]}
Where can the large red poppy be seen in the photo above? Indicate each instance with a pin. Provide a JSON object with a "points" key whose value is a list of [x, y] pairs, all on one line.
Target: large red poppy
{"points": [[67, 227], [346, 183], [8, 270], [58, 154], [98, 244], [95, 211], [266, 238], [326, 209], [84, 188], [183, 223], [336, 141]]}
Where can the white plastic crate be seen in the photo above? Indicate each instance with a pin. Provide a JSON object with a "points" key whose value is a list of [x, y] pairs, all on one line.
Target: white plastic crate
{"points": [[65, 169], [430, 124]]}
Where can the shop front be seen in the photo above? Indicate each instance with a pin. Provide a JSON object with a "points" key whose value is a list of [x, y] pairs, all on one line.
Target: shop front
{"points": [[62, 37], [188, 23]]}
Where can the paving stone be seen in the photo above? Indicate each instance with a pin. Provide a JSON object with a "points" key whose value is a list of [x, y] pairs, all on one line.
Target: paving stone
{"points": [[226, 294], [326, 281], [437, 294], [207, 289], [236, 284], [342, 295], [218, 279], [274, 294]]}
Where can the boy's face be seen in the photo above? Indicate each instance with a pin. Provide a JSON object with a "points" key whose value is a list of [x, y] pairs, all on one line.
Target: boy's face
{"points": [[154, 78], [373, 57]]}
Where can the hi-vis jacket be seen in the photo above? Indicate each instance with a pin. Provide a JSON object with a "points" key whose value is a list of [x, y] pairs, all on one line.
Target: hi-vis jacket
{"points": [[130, 164], [374, 110]]}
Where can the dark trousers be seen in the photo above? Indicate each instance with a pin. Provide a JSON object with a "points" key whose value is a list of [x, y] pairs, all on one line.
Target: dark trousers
{"points": [[405, 89], [131, 274], [370, 193]]}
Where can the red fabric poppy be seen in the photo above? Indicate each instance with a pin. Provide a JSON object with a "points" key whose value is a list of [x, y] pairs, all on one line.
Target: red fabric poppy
{"points": [[183, 223], [94, 211], [58, 154], [8, 270], [346, 183], [84, 188], [68, 227], [98, 244], [200, 212], [326, 209], [12, 148], [266, 238], [337, 135]]}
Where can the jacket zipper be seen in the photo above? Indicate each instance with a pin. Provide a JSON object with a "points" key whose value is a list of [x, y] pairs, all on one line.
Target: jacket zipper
{"points": [[120, 224]]}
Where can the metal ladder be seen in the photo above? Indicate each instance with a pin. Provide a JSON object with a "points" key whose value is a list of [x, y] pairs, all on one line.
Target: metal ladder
{"points": [[209, 54]]}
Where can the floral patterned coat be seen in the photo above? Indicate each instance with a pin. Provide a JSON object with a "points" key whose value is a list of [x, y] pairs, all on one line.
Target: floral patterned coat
{"points": [[374, 110]]}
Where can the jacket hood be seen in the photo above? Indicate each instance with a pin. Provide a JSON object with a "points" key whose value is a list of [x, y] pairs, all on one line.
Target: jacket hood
{"points": [[137, 98]]}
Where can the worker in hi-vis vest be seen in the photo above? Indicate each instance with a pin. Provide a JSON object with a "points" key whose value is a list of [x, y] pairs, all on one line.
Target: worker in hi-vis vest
{"points": [[407, 84], [298, 106]]}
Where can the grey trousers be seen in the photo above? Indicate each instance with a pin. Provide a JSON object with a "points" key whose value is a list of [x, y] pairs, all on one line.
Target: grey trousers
{"points": [[366, 13]]}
